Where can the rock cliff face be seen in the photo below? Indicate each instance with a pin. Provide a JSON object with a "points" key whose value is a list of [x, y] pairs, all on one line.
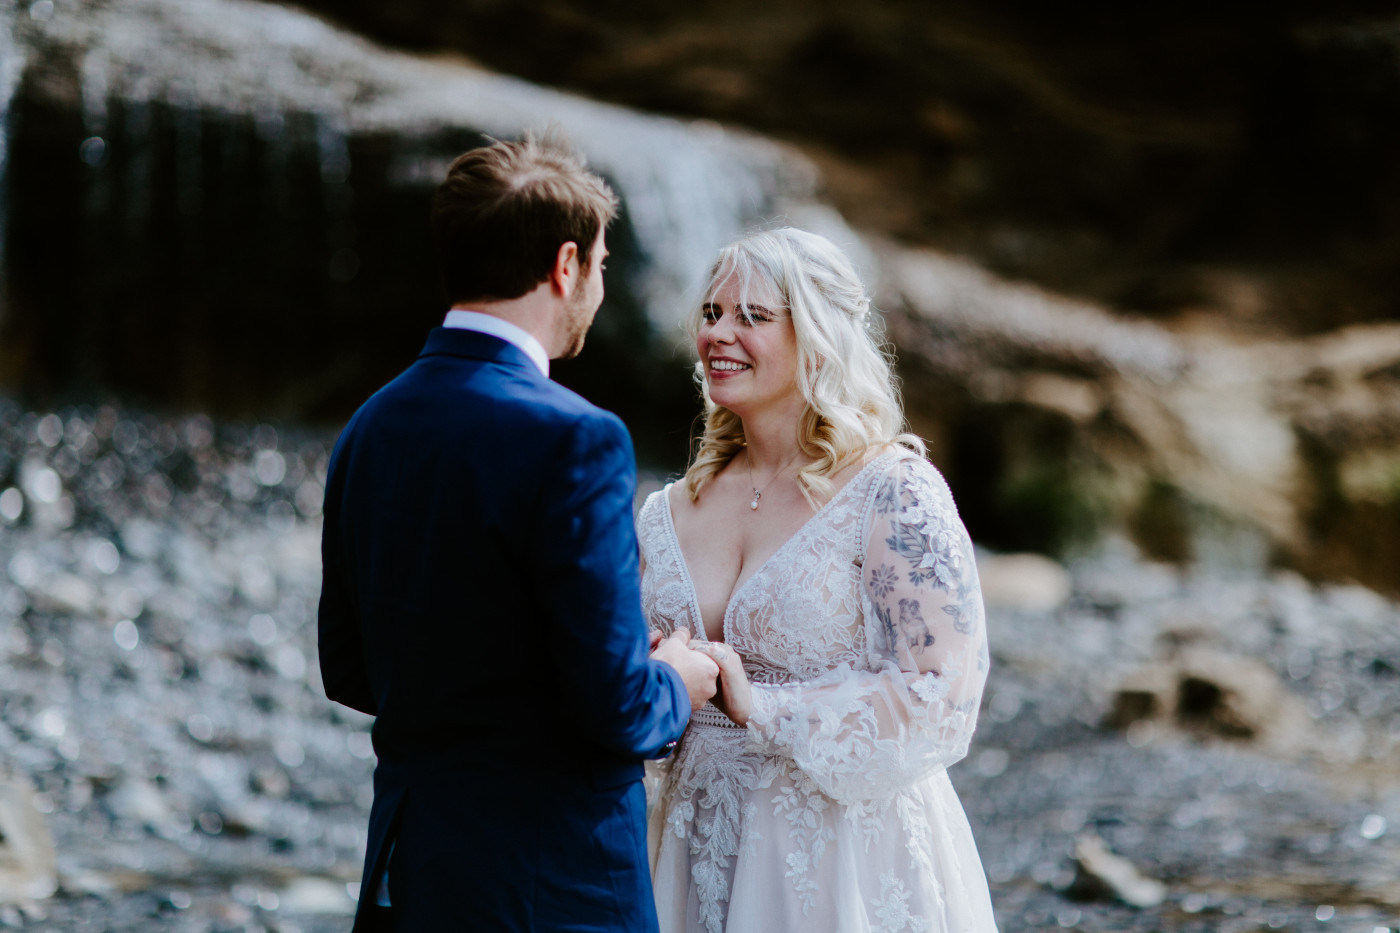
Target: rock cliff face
{"points": [[1177, 159], [1202, 448]]}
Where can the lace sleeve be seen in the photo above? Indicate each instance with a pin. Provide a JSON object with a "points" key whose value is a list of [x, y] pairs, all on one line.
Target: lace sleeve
{"points": [[866, 734]]}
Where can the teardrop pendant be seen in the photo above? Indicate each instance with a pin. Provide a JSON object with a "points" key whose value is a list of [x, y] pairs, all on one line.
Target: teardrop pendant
{"points": [[756, 496]]}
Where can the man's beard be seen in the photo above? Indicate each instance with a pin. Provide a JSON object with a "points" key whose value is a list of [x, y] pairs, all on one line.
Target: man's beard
{"points": [[579, 320]]}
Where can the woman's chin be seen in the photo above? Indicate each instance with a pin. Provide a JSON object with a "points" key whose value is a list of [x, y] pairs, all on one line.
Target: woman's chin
{"points": [[723, 394], [737, 402]]}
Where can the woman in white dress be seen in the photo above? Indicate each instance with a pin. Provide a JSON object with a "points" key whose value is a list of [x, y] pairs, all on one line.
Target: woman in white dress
{"points": [[816, 555]]}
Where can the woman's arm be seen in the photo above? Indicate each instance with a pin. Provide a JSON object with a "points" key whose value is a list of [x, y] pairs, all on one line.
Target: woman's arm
{"points": [[865, 734]]}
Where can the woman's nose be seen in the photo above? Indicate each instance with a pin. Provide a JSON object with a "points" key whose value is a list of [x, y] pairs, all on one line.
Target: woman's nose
{"points": [[722, 330]]}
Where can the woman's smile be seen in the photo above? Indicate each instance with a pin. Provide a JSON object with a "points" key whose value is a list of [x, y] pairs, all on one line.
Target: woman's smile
{"points": [[724, 367]]}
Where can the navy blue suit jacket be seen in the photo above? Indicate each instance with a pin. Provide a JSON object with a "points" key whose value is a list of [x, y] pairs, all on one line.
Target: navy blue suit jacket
{"points": [[480, 599]]}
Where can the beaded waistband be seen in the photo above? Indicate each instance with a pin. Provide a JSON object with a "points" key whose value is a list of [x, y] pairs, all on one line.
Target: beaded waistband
{"points": [[708, 715]]}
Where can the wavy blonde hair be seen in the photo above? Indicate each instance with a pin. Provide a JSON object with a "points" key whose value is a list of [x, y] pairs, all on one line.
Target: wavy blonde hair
{"points": [[844, 370]]}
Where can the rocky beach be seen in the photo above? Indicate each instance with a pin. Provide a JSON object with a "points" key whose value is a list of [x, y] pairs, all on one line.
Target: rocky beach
{"points": [[1161, 748]]}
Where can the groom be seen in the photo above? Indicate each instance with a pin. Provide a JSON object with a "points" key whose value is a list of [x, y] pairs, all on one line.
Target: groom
{"points": [[480, 589]]}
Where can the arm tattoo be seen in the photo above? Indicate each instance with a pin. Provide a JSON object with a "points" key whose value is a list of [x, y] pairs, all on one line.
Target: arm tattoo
{"points": [[916, 630]]}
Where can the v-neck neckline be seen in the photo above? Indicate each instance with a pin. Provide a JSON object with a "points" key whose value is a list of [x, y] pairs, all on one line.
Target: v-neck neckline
{"points": [[675, 543]]}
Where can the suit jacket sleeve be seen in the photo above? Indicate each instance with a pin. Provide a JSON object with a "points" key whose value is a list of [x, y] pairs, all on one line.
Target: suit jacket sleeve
{"points": [[589, 581]]}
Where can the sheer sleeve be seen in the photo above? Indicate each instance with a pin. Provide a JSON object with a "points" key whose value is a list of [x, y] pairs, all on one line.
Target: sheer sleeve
{"points": [[867, 734]]}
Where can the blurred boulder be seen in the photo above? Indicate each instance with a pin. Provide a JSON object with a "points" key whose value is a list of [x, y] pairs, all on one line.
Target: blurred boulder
{"points": [[1148, 693], [1022, 582], [1100, 874], [316, 896], [28, 869], [1215, 693], [141, 803], [64, 593]]}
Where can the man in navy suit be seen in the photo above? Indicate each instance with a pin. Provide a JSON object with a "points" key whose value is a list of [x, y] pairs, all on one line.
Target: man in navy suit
{"points": [[480, 589]]}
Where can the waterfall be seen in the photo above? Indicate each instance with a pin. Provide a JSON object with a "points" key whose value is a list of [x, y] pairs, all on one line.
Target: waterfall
{"points": [[687, 187], [12, 61], [241, 180]]}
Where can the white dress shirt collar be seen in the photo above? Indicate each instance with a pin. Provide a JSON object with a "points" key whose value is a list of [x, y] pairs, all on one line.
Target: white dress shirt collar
{"points": [[498, 327]]}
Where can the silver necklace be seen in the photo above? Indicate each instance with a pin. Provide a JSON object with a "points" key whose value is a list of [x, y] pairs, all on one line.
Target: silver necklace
{"points": [[757, 493]]}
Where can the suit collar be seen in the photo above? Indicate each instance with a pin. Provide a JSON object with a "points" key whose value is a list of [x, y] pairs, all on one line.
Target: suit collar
{"points": [[474, 345], [500, 327]]}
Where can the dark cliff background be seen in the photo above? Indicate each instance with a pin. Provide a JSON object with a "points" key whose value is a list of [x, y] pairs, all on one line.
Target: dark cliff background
{"points": [[1224, 164]]}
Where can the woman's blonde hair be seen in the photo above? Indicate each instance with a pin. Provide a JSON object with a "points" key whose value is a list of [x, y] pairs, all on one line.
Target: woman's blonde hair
{"points": [[843, 369]]}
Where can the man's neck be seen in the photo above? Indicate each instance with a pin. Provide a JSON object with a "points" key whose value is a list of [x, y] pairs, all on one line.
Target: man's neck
{"points": [[532, 312]]}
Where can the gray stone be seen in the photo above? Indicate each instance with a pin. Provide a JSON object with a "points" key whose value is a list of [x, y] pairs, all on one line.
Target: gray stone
{"points": [[64, 593], [1203, 689], [28, 869], [316, 896], [1023, 582], [1100, 873]]}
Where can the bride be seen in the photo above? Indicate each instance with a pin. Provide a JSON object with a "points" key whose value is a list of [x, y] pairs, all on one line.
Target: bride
{"points": [[818, 558]]}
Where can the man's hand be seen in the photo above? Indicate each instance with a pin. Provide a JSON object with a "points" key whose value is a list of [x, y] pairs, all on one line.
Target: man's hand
{"points": [[735, 697], [697, 670]]}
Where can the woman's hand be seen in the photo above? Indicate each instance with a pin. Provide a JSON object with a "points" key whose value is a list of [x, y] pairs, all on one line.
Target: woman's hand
{"points": [[735, 696], [700, 674]]}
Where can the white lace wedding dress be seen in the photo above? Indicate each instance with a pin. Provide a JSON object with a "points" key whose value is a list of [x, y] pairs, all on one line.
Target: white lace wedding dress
{"points": [[863, 636]]}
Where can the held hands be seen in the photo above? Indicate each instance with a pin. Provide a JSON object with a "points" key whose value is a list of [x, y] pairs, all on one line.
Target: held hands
{"points": [[697, 669], [735, 696]]}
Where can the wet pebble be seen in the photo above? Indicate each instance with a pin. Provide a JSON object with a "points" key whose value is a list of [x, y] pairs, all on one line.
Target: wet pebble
{"points": [[176, 749]]}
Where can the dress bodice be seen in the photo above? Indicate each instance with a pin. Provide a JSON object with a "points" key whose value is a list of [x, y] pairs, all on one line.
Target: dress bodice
{"points": [[795, 617]]}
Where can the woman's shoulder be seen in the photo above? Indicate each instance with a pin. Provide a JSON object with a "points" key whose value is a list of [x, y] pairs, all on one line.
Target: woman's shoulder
{"points": [[899, 463], [905, 477], [651, 523], [654, 505]]}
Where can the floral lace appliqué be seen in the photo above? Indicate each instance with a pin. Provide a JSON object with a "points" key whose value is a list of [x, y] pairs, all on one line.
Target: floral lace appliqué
{"points": [[864, 638], [892, 909]]}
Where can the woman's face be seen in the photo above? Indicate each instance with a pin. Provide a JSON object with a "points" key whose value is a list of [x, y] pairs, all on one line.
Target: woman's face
{"points": [[748, 348]]}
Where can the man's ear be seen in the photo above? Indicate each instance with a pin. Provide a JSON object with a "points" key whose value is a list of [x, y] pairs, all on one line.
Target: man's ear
{"points": [[564, 276]]}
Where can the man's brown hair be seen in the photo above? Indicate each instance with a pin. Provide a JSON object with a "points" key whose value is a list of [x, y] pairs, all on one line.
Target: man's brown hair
{"points": [[505, 209]]}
